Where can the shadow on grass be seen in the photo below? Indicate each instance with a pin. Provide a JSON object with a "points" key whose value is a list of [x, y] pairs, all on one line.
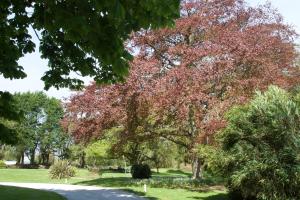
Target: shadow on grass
{"points": [[171, 173], [108, 182], [210, 179], [179, 172], [212, 197], [141, 194]]}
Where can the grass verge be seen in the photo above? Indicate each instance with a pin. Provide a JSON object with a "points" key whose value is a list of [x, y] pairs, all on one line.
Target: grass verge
{"points": [[17, 193]]}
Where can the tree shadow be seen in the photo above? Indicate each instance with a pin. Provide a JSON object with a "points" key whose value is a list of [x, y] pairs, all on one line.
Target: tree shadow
{"points": [[212, 197], [171, 173], [179, 172], [108, 182], [140, 194]]}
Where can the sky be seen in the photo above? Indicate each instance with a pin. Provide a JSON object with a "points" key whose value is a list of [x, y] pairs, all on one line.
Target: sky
{"points": [[35, 67]]}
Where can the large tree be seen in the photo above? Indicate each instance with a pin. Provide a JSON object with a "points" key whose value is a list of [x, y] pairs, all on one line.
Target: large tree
{"points": [[216, 56]]}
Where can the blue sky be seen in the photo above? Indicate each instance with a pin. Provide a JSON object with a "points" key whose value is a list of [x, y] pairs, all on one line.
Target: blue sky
{"points": [[35, 67]]}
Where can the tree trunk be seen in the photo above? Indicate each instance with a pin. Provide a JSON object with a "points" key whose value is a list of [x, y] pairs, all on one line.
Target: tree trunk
{"points": [[196, 168], [32, 156], [44, 158], [196, 165], [19, 158], [22, 158], [47, 158], [82, 160], [178, 164]]}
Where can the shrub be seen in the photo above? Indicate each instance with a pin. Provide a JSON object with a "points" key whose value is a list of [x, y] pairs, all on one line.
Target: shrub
{"points": [[259, 148], [62, 169], [9, 152], [2, 164], [140, 171]]}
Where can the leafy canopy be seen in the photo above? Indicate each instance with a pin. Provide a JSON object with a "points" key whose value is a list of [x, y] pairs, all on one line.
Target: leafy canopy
{"points": [[8, 114], [86, 37]]}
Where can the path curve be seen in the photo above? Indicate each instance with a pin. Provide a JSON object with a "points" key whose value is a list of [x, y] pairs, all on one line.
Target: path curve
{"points": [[78, 192]]}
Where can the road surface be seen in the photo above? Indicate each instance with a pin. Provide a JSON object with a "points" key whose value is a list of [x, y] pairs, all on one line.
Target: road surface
{"points": [[78, 192]]}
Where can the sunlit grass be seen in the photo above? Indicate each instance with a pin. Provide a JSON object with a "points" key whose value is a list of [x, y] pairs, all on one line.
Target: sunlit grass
{"points": [[41, 176]]}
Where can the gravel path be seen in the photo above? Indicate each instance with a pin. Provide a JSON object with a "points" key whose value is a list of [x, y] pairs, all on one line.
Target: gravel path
{"points": [[78, 192]]}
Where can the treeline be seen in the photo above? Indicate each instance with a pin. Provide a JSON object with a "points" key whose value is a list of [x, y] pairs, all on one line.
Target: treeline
{"points": [[37, 131]]}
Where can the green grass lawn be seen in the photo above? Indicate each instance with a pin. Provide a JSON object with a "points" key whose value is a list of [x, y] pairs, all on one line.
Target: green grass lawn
{"points": [[16, 193], [41, 176], [123, 181]]}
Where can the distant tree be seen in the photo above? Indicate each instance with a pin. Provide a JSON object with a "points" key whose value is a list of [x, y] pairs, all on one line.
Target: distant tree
{"points": [[53, 139], [97, 154], [160, 153], [40, 128], [30, 128], [259, 149], [78, 155]]}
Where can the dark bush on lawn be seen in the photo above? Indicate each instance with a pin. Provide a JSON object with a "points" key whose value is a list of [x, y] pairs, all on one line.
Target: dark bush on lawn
{"points": [[140, 171]]}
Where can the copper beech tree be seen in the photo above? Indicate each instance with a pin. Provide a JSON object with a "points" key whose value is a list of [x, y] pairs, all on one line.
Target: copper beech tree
{"points": [[216, 56]]}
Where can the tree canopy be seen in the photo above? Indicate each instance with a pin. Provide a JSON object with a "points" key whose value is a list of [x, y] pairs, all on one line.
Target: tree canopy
{"points": [[217, 55], [86, 37]]}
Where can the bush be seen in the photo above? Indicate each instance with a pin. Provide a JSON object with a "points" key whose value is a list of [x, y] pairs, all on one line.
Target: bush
{"points": [[2, 164], [259, 148], [62, 169], [140, 171]]}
